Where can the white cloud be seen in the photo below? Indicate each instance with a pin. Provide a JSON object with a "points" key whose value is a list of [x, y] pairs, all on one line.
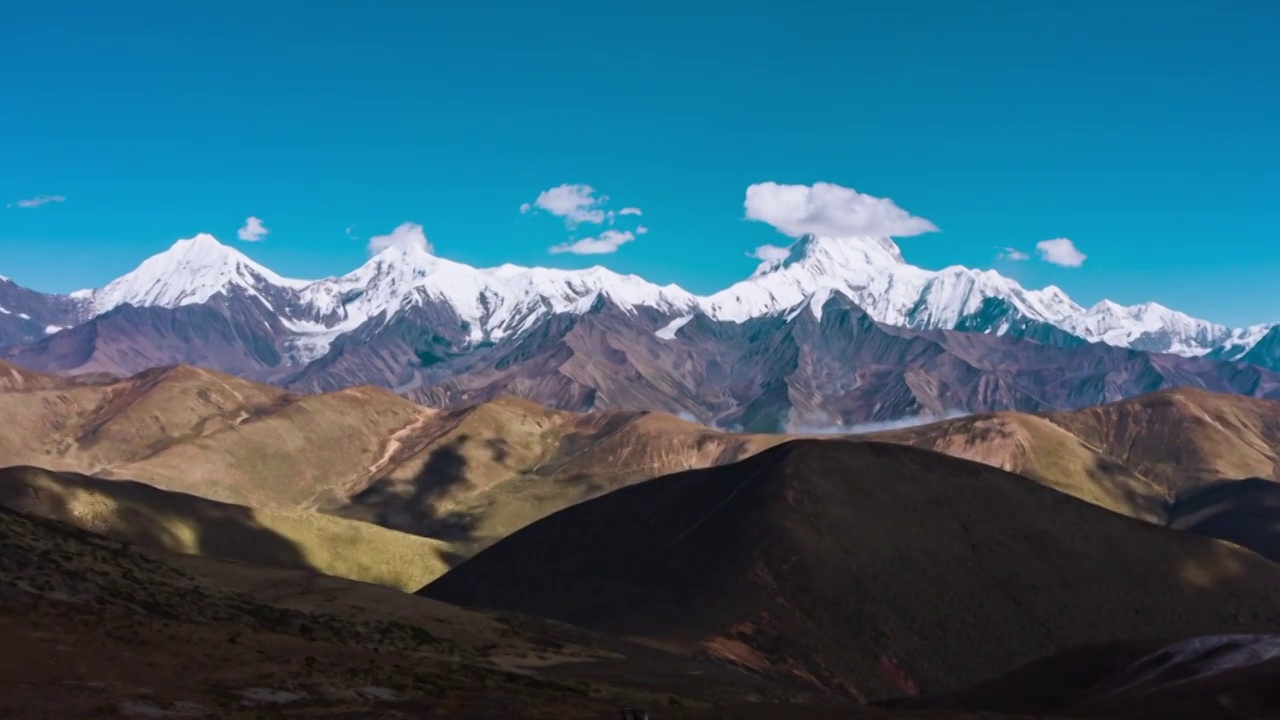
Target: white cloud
{"points": [[609, 241], [36, 202], [1012, 254], [407, 236], [829, 210], [640, 229], [349, 230], [253, 230], [770, 253], [1060, 251], [577, 204]]}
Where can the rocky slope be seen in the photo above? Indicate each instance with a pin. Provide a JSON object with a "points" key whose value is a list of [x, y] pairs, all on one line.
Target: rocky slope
{"points": [[829, 365]]}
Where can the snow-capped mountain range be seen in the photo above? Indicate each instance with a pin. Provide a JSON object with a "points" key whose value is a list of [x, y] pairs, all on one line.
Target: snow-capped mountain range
{"points": [[496, 303], [839, 331]]}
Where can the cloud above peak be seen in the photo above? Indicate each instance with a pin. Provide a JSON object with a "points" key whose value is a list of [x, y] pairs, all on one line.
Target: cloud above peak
{"points": [[829, 210], [608, 242], [770, 253], [253, 230], [1012, 254], [1060, 251], [36, 202], [407, 236]]}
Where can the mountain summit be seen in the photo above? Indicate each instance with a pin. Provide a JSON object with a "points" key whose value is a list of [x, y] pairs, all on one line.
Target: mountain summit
{"points": [[872, 272], [190, 272]]}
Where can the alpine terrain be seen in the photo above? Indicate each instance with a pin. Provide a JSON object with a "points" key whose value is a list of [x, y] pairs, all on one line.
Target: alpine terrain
{"points": [[841, 331]]}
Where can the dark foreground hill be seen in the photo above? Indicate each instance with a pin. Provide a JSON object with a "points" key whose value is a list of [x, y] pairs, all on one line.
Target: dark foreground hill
{"points": [[868, 569], [95, 629], [1233, 677]]}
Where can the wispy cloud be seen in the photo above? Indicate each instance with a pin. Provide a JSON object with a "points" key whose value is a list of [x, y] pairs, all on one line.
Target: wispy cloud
{"points": [[407, 236], [350, 231], [1060, 251], [873, 426], [608, 242], [770, 253], [1012, 254], [630, 211], [640, 229], [829, 210], [253, 230], [36, 202]]}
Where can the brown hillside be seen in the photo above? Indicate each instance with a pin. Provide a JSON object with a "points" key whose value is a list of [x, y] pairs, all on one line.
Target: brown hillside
{"points": [[1136, 456], [468, 475], [1183, 438], [13, 377], [866, 568], [496, 467], [1037, 448]]}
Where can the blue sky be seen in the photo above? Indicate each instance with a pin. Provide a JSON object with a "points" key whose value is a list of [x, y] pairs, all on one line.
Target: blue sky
{"points": [[1147, 135]]}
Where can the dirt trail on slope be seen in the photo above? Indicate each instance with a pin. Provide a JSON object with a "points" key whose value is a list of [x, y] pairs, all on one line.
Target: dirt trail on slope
{"points": [[396, 442]]}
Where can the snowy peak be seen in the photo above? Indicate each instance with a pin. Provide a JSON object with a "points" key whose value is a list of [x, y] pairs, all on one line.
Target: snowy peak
{"points": [[190, 272], [566, 289], [832, 253], [1147, 326], [836, 256], [872, 272]]}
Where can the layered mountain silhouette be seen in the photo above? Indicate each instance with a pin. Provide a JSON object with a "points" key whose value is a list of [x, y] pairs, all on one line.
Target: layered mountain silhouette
{"points": [[821, 572], [469, 476]]}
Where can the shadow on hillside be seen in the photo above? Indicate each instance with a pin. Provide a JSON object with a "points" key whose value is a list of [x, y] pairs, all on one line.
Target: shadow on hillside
{"points": [[1245, 512], [412, 505], [1118, 484], [138, 514]]}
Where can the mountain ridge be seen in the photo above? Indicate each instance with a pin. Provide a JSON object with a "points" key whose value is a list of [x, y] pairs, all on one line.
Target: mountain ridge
{"points": [[500, 301], [837, 333]]}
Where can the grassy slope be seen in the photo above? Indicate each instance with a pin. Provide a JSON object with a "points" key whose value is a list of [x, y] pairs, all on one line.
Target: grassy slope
{"points": [[361, 452], [178, 522]]}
